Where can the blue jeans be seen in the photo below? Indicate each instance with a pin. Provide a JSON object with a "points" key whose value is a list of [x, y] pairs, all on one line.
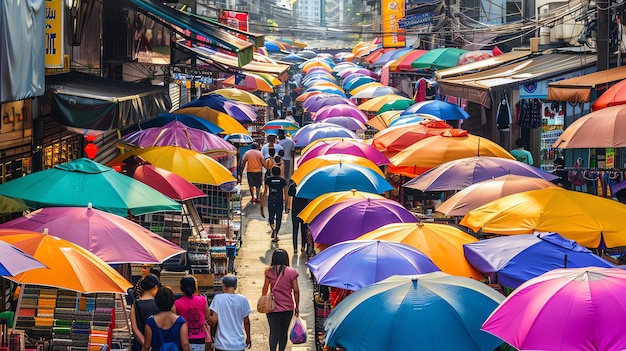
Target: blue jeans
{"points": [[275, 213]]}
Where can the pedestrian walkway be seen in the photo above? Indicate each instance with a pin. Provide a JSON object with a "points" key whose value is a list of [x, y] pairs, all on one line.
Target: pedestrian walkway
{"points": [[254, 255]]}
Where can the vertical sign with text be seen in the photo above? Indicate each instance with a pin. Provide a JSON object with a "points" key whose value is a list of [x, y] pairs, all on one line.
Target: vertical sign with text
{"points": [[392, 12], [235, 19], [54, 34]]}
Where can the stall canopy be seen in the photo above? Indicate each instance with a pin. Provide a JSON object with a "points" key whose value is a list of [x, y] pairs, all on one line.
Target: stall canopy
{"points": [[212, 34], [256, 38], [581, 89], [483, 64], [85, 101], [477, 87]]}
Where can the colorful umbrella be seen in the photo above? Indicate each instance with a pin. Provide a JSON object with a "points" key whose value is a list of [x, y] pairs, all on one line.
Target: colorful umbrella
{"points": [[373, 105], [356, 82], [15, 261], [309, 133], [9, 205], [438, 108], [591, 220], [398, 105], [327, 90], [320, 203], [84, 181], [356, 70], [239, 139], [604, 128], [307, 66], [241, 112], [240, 95], [341, 177], [365, 86], [339, 110], [309, 54], [248, 82], [396, 139], [281, 124], [372, 92], [482, 193], [512, 260], [565, 309], [193, 166], [346, 122], [228, 124], [374, 55], [350, 219], [315, 103], [188, 120], [411, 118], [355, 264], [442, 243], [433, 311], [345, 147], [112, 238], [70, 266], [321, 83], [293, 58], [390, 56], [437, 59], [403, 63], [613, 96], [270, 78], [461, 173], [326, 160], [452, 145], [382, 120], [304, 96]]}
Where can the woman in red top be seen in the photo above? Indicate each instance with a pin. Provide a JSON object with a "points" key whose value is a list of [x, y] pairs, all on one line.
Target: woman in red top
{"points": [[283, 281]]}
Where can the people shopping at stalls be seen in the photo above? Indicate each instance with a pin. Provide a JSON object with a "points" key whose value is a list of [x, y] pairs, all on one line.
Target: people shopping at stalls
{"points": [[166, 326], [520, 153], [229, 311], [194, 308], [144, 307], [275, 192]]}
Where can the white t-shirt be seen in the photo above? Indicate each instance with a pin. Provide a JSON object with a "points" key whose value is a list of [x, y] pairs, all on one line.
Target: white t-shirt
{"points": [[288, 145], [231, 309], [265, 149]]}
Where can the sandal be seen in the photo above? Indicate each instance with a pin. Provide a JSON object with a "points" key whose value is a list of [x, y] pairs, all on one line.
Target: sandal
{"points": [[303, 249]]}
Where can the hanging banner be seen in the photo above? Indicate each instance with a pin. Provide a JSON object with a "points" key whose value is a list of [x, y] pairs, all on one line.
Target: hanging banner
{"points": [[54, 33], [392, 12], [235, 19]]}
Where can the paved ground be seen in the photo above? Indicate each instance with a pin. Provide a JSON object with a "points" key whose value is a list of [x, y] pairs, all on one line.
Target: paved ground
{"points": [[254, 255]]}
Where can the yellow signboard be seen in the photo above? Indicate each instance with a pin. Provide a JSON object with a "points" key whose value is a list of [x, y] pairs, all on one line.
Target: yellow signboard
{"points": [[392, 11], [54, 33], [610, 157]]}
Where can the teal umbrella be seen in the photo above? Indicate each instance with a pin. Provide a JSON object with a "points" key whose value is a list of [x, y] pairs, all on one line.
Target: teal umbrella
{"points": [[440, 58], [84, 181]]}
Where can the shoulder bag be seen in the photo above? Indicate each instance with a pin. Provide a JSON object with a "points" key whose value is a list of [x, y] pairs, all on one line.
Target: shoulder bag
{"points": [[266, 302]]}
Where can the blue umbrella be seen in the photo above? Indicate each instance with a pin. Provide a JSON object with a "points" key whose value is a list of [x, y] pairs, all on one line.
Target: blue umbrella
{"points": [[355, 264], [241, 112], [309, 133], [292, 58], [512, 260], [357, 81], [411, 118], [188, 120], [433, 311], [437, 108], [326, 89], [341, 177], [239, 139], [390, 55], [271, 46]]}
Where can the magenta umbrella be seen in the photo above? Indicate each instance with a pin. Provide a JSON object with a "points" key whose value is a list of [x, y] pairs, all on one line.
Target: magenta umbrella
{"points": [[346, 147], [346, 122], [175, 133], [113, 238], [347, 220], [565, 309], [314, 103], [340, 110], [362, 71], [312, 132]]}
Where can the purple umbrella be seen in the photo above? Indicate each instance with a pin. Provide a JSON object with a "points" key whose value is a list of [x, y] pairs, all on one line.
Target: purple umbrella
{"points": [[363, 71], [346, 147], [355, 264], [309, 133], [176, 133], [340, 110], [373, 92], [241, 112], [347, 220], [323, 101], [618, 187], [16, 261], [461, 173], [346, 122]]}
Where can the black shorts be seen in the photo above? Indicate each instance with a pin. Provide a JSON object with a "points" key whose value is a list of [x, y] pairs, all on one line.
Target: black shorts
{"points": [[255, 178]]}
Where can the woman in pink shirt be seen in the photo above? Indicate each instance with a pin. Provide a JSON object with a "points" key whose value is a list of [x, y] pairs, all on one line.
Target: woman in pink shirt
{"points": [[282, 280], [194, 308]]}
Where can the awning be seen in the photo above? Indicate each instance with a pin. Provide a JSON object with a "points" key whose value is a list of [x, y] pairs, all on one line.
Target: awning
{"points": [[482, 64], [169, 17], [580, 89], [85, 101], [258, 39], [476, 87]]}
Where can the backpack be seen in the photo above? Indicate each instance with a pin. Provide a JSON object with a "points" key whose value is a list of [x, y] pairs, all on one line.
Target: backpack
{"points": [[166, 346]]}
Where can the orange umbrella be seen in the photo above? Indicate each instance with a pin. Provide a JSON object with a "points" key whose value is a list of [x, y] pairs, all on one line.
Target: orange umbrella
{"points": [[442, 243], [222, 120], [452, 145], [365, 86], [322, 202], [374, 104], [373, 56], [270, 78], [306, 95], [248, 82], [603, 128], [396, 139], [240, 95], [313, 64], [382, 120], [70, 266], [365, 50], [615, 95], [407, 171], [325, 160], [403, 63]]}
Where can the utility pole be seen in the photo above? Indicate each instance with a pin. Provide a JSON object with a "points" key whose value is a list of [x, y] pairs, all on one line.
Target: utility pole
{"points": [[602, 41]]}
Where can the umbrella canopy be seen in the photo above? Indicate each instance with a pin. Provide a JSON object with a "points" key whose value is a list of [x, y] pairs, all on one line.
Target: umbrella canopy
{"points": [[341, 177], [167, 183], [317, 102], [177, 133], [307, 54], [355, 264], [443, 110], [591, 220], [613, 96], [411, 118], [10, 205], [374, 55], [281, 124], [248, 82], [372, 92], [403, 63], [512, 260], [344, 147], [434, 311], [374, 104], [84, 181], [325, 160], [442, 243], [327, 90], [481, 193], [340, 110], [461, 173], [269, 77], [437, 59], [320, 203], [242, 113], [293, 58], [365, 86], [306, 66], [309, 133], [390, 56], [565, 309], [228, 124], [112, 238], [70, 266], [599, 129], [240, 95], [304, 96], [346, 122], [473, 56], [457, 144], [382, 120], [239, 139], [193, 166], [356, 82], [396, 139], [188, 120], [398, 105], [357, 70], [350, 219], [15, 261]]}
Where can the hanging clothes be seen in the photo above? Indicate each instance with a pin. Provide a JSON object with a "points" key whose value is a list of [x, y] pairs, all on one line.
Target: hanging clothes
{"points": [[503, 116], [528, 113], [420, 90]]}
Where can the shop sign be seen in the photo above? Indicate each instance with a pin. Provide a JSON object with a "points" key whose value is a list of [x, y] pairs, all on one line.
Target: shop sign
{"points": [[54, 34], [416, 21], [392, 11]]}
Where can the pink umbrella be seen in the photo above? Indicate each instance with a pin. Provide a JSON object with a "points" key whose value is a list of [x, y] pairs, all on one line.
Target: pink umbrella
{"points": [[113, 238], [346, 122], [565, 309], [312, 132], [175, 133], [344, 146], [340, 110], [363, 71], [314, 103]]}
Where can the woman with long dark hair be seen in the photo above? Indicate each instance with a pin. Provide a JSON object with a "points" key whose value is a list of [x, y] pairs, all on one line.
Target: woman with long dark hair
{"points": [[194, 308], [282, 281]]}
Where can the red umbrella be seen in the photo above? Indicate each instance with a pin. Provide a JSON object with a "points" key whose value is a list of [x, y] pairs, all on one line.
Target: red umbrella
{"points": [[615, 95], [396, 139]]}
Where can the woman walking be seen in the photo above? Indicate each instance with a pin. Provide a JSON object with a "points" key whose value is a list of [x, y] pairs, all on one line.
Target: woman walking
{"points": [[165, 327], [282, 281], [194, 308], [143, 308]]}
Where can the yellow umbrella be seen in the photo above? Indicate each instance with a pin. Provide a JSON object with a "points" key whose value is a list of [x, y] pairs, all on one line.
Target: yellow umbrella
{"points": [[326, 84], [313, 64], [270, 78], [360, 45], [240, 95], [382, 120], [222, 120], [365, 86], [322, 202], [451, 145], [585, 218], [11, 205], [374, 104], [325, 160], [249, 82], [442, 243], [70, 266], [365, 50], [193, 166]]}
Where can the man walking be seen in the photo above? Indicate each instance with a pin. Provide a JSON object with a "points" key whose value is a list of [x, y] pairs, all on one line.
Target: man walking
{"points": [[255, 161], [289, 148], [271, 143], [276, 194], [229, 311]]}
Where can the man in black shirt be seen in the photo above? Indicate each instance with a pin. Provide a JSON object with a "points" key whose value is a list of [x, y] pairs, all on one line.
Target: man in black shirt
{"points": [[276, 194]]}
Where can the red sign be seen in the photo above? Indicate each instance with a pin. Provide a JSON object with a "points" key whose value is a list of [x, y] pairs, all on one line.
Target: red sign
{"points": [[235, 19]]}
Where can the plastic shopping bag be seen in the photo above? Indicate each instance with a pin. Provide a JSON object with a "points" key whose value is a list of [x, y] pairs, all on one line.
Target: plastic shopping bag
{"points": [[298, 332]]}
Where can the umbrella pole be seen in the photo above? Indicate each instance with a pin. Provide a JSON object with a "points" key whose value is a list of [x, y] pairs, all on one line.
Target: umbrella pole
{"points": [[19, 304], [130, 330], [565, 261]]}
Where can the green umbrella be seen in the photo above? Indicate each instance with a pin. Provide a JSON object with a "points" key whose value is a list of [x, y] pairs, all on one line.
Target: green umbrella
{"points": [[440, 58], [398, 105], [9, 205], [84, 181]]}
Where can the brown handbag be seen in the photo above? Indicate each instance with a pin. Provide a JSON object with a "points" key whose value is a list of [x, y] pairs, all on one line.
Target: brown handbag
{"points": [[266, 303]]}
